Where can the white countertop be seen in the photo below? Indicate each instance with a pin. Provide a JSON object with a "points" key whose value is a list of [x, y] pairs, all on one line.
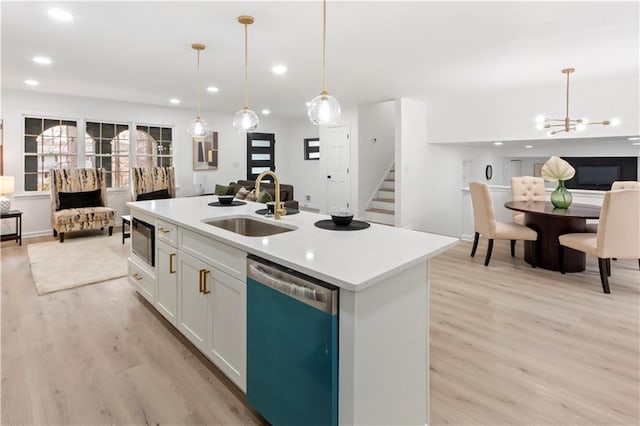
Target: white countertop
{"points": [[352, 260]]}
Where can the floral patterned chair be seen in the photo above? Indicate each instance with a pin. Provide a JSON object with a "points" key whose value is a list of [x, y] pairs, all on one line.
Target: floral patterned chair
{"points": [[79, 201], [152, 183]]}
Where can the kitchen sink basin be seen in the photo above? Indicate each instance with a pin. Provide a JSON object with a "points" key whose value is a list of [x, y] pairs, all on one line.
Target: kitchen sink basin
{"points": [[248, 227]]}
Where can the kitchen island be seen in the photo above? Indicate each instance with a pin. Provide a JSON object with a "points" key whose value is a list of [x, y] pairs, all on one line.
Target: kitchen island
{"points": [[382, 273]]}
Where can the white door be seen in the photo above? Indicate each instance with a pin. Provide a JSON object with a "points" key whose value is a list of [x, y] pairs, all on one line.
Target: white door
{"points": [[338, 164]]}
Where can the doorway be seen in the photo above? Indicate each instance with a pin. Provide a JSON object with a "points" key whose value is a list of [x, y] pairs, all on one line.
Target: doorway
{"points": [[338, 165], [260, 154]]}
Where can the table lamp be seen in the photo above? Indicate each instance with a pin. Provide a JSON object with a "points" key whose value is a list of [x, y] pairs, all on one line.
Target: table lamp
{"points": [[7, 186]]}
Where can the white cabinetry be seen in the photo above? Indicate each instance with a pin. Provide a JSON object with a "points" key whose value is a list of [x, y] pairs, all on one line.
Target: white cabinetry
{"points": [[167, 280], [194, 305], [141, 279]]}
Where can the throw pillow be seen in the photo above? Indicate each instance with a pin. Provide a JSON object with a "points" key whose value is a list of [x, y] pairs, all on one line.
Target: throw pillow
{"points": [[242, 193], [251, 196], [265, 197], [223, 190], [160, 194], [77, 200]]}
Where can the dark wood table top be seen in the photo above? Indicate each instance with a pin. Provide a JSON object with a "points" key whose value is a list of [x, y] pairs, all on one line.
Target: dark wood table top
{"points": [[545, 208]]}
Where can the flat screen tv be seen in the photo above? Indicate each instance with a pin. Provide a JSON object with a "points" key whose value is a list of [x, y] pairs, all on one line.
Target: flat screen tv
{"points": [[600, 172]]}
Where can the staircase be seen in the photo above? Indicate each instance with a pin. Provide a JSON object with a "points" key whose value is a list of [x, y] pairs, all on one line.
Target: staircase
{"points": [[382, 207]]}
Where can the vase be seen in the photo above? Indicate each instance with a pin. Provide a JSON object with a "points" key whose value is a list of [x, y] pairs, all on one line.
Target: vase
{"points": [[561, 198]]}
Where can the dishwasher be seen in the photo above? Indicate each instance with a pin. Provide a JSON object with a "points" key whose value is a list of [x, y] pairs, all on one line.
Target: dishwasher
{"points": [[292, 345]]}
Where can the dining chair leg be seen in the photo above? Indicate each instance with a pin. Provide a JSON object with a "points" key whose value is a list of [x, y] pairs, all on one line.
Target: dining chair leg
{"points": [[489, 250], [475, 244], [562, 270], [608, 267], [602, 265], [513, 248]]}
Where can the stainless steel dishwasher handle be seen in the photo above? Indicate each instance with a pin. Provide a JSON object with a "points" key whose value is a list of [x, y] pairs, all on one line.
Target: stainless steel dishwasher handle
{"points": [[309, 293]]}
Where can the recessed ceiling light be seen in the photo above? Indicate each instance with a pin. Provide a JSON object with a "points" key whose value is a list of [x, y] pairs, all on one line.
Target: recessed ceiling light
{"points": [[636, 143], [174, 101], [41, 60], [265, 112], [212, 89], [31, 82], [60, 15], [497, 143], [279, 69], [528, 146], [634, 138]]}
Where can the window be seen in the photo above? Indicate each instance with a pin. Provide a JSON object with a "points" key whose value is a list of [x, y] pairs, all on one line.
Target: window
{"points": [[312, 149], [108, 147], [260, 153], [154, 146], [48, 143]]}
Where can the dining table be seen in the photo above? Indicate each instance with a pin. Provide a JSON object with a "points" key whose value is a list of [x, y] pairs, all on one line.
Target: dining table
{"points": [[550, 222]]}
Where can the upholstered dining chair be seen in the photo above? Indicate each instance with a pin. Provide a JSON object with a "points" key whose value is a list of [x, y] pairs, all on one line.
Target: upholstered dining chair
{"points": [[615, 186], [526, 188], [152, 183], [485, 223], [618, 234]]}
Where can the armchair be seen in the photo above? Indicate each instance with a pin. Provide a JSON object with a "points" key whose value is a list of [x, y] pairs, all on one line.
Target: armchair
{"points": [[79, 201], [153, 183]]}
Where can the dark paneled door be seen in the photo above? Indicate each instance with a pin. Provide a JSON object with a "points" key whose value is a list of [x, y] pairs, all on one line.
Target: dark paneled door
{"points": [[260, 154]]}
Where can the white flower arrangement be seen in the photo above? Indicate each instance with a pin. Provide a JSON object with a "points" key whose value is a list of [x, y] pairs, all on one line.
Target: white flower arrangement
{"points": [[557, 169]]}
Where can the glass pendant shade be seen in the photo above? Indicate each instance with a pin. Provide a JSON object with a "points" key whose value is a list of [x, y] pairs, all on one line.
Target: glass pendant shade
{"points": [[245, 120], [324, 110], [198, 127]]}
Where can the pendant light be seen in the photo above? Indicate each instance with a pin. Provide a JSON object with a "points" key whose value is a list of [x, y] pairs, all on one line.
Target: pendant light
{"points": [[245, 120], [198, 127], [324, 109]]}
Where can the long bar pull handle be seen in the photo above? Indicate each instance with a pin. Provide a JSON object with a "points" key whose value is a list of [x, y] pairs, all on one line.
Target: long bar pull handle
{"points": [[201, 280], [171, 266], [204, 282], [163, 230]]}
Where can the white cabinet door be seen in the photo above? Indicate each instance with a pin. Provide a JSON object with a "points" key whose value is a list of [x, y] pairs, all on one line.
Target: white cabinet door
{"points": [[194, 304], [167, 285], [228, 344]]}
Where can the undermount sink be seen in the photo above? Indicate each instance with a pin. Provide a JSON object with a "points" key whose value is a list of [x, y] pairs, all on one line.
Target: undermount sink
{"points": [[248, 227]]}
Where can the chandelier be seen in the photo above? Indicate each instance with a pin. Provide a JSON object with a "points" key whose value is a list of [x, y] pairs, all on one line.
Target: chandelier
{"points": [[567, 124]]}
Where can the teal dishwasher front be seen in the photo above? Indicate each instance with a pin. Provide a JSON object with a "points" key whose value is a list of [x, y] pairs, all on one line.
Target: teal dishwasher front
{"points": [[292, 346]]}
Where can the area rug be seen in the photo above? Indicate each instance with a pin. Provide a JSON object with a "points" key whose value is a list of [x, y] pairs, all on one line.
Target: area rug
{"points": [[78, 261]]}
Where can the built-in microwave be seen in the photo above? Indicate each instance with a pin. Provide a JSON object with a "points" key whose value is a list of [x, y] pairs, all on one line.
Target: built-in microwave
{"points": [[143, 240]]}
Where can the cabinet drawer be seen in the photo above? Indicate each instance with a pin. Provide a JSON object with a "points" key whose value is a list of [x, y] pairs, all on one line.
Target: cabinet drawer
{"points": [[219, 255], [167, 232], [141, 280]]}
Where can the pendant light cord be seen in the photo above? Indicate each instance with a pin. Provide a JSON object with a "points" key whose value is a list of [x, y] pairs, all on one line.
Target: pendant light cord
{"points": [[198, 86], [246, 70], [567, 112], [324, 46]]}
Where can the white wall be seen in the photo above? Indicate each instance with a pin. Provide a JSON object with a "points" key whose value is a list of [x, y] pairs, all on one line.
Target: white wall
{"points": [[292, 168], [411, 158], [510, 115], [376, 121], [36, 207]]}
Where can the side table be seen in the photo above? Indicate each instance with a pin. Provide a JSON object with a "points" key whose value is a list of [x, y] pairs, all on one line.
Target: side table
{"points": [[126, 220], [17, 214]]}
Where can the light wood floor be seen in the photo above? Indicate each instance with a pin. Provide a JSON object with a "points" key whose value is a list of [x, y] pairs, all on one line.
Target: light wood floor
{"points": [[509, 345]]}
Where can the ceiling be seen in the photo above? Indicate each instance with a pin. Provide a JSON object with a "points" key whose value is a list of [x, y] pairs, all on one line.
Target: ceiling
{"points": [[377, 50]]}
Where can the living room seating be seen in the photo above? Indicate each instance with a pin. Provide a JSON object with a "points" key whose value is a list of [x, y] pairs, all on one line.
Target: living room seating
{"points": [[79, 201], [526, 188], [486, 224], [153, 183], [286, 191], [618, 234]]}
